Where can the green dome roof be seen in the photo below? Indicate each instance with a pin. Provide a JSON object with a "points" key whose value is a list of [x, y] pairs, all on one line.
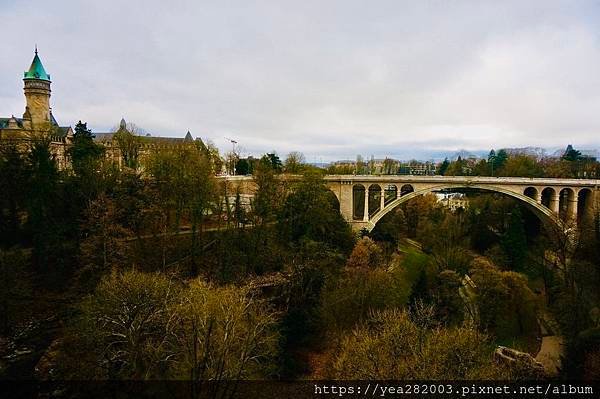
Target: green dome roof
{"points": [[36, 70]]}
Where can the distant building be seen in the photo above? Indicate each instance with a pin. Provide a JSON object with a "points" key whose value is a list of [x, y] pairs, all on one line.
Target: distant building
{"points": [[454, 201], [419, 168], [385, 166]]}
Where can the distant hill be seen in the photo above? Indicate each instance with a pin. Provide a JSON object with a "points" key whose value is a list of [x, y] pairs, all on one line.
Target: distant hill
{"points": [[537, 152], [424, 154], [465, 154]]}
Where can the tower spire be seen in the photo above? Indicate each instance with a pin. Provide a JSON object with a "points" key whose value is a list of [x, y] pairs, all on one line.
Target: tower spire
{"points": [[36, 70]]}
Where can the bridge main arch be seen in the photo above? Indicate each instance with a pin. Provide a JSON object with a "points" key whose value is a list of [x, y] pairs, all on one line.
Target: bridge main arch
{"points": [[542, 212], [580, 198]]}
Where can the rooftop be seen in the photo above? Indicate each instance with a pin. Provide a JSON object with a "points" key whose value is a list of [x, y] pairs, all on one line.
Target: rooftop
{"points": [[36, 70]]}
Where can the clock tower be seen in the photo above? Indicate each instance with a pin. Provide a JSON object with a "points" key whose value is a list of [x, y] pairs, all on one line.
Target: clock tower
{"points": [[37, 93]]}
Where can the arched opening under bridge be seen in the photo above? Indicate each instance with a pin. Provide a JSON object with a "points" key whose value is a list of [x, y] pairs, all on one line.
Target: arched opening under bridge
{"points": [[541, 211]]}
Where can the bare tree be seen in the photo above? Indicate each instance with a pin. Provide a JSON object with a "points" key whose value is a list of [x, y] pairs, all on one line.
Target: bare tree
{"points": [[129, 141], [226, 334], [104, 246], [126, 328], [294, 163]]}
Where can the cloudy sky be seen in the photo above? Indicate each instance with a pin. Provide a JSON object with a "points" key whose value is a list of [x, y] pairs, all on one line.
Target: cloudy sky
{"points": [[329, 78]]}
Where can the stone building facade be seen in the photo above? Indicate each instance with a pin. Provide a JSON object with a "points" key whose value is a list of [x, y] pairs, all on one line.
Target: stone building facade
{"points": [[113, 142], [37, 121]]}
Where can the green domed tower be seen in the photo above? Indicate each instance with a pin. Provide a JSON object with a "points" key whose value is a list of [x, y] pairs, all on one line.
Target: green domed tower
{"points": [[37, 93]]}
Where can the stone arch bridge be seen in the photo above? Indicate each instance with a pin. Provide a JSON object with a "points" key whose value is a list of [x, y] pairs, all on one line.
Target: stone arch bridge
{"points": [[364, 200]]}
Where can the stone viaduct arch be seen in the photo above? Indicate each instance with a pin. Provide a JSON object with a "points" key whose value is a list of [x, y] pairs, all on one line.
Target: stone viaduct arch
{"points": [[364, 200], [552, 200], [540, 210]]}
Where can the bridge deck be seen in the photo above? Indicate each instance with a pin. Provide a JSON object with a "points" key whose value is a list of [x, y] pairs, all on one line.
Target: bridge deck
{"points": [[462, 179]]}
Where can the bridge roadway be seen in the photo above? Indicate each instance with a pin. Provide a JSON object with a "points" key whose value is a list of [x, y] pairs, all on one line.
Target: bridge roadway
{"points": [[365, 199]]}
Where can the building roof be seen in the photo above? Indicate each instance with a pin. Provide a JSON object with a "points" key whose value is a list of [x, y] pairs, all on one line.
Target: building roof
{"points": [[4, 122], [103, 137], [60, 131], [106, 137], [36, 70], [164, 140], [148, 138]]}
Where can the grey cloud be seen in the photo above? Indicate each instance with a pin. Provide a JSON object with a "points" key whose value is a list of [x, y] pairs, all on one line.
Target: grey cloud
{"points": [[329, 78]]}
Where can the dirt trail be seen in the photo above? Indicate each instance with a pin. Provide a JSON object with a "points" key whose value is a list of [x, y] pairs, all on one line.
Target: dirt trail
{"points": [[552, 350], [550, 354]]}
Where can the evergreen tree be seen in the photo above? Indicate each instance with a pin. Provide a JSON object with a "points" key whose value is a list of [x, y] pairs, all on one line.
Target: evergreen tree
{"points": [[43, 202], [444, 167], [419, 293], [84, 152], [500, 160], [481, 168], [456, 168], [268, 194], [311, 213], [571, 154], [14, 175], [239, 211], [492, 161], [242, 167], [514, 240], [273, 161]]}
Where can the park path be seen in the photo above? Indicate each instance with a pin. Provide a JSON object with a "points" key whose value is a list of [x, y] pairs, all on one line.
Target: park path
{"points": [[550, 354], [552, 349]]}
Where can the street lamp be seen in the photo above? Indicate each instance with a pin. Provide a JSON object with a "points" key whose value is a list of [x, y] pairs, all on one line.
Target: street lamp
{"points": [[233, 143]]}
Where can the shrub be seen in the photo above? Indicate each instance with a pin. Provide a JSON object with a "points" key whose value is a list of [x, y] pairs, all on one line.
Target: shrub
{"points": [[350, 299], [125, 329], [507, 307], [144, 326], [391, 346], [366, 254], [225, 334], [449, 303]]}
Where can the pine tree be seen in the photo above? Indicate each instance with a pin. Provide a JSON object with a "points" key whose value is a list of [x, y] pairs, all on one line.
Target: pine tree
{"points": [[444, 167], [492, 161], [514, 240], [84, 152], [501, 158], [14, 175], [571, 154], [43, 202]]}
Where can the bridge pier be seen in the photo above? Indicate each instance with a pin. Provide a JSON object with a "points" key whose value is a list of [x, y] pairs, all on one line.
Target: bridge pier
{"points": [[595, 208], [572, 209], [358, 225], [555, 203], [346, 201], [366, 212]]}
